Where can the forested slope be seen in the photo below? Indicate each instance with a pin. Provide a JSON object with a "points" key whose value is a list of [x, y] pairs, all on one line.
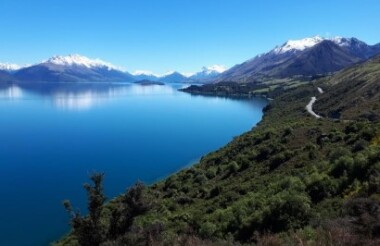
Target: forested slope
{"points": [[293, 179]]}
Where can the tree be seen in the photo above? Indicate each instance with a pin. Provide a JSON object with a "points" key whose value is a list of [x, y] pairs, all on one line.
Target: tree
{"points": [[132, 204], [88, 229]]}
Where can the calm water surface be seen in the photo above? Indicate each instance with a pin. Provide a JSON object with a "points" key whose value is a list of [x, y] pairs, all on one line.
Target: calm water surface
{"points": [[53, 136]]}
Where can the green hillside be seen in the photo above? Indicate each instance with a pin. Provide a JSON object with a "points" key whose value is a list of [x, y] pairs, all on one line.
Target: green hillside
{"points": [[293, 180], [353, 93]]}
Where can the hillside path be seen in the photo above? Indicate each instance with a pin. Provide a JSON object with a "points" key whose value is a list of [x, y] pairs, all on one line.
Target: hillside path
{"points": [[309, 106]]}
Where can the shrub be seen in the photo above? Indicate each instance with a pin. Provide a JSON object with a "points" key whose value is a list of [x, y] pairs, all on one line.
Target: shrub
{"points": [[200, 179], [288, 130], [233, 167], [182, 200], [207, 230], [359, 145], [170, 183], [343, 164], [320, 187], [263, 153], [211, 173], [337, 153], [364, 215], [287, 211], [215, 191], [280, 158], [367, 134]]}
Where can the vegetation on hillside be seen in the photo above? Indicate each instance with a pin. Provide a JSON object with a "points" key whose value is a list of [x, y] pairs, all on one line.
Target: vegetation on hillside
{"points": [[293, 180], [353, 93], [269, 87]]}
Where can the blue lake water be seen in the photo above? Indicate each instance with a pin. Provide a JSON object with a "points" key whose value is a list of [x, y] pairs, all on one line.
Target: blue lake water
{"points": [[53, 136]]}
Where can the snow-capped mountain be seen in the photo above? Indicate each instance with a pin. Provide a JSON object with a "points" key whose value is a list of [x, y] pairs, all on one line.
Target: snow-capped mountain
{"points": [[144, 72], [7, 70], [205, 75], [78, 60], [168, 77], [305, 57], [297, 45], [9, 67], [72, 68], [209, 72], [145, 75], [77, 68], [306, 43]]}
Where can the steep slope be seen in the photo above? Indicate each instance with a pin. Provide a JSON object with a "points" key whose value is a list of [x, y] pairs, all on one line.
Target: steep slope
{"points": [[306, 57], [72, 68], [356, 47], [362, 84], [325, 57], [292, 180]]}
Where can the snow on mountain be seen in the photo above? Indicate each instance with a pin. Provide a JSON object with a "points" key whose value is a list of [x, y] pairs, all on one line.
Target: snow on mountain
{"points": [[209, 72], [73, 68], [306, 57], [341, 41], [214, 69], [173, 77], [78, 60], [302, 44], [167, 74], [188, 74], [298, 45], [9, 67], [144, 72]]}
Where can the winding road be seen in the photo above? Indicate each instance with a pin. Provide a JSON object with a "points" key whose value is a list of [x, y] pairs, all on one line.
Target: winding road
{"points": [[309, 106]]}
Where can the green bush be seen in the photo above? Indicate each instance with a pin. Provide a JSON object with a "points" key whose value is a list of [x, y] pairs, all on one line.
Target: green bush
{"points": [[211, 173], [343, 164], [321, 186], [200, 179], [233, 167], [207, 230]]}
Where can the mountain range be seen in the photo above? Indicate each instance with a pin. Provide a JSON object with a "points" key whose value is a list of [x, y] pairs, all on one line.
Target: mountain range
{"points": [[77, 68], [295, 59], [302, 58]]}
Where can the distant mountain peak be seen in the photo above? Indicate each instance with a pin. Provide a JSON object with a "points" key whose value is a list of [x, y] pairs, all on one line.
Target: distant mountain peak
{"points": [[209, 72], [173, 77], [305, 57], [346, 42], [144, 72], [305, 43], [298, 45], [170, 73], [214, 69], [78, 60], [9, 67]]}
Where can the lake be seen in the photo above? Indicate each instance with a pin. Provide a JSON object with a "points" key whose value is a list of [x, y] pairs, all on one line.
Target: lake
{"points": [[53, 136]]}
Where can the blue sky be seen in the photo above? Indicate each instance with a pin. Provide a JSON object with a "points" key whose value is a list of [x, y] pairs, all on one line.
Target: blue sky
{"points": [[182, 35]]}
